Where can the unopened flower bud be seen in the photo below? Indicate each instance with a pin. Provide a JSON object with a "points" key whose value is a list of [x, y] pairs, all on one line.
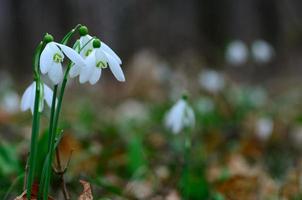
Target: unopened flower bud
{"points": [[185, 96]]}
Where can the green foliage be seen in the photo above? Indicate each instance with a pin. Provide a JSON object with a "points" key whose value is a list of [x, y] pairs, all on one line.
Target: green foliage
{"points": [[135, 154], [9, 163]]}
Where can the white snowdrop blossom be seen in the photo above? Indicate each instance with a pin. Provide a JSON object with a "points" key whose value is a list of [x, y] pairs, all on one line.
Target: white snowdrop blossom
{"points": [[211, 80], [236, 53], [52, 57], [180, 116], [28, 98], [96, 59], [262, 51]]}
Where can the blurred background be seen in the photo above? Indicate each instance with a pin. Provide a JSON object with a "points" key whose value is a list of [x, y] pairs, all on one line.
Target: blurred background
{"points": [[239, 61]]}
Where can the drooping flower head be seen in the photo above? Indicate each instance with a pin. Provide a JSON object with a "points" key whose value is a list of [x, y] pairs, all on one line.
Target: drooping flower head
{"points": [[180, 116], [28, 98], [52, 57], [97, 56]]}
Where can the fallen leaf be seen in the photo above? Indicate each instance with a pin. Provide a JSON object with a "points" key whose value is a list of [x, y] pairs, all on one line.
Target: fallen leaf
{"points": [[239, 187], [86, 194], [22, 196]]}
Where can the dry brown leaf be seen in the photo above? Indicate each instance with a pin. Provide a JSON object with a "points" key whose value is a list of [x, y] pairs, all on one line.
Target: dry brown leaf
{"points": [[22, 196], [68, 144], [87, 193], [240, 187]]}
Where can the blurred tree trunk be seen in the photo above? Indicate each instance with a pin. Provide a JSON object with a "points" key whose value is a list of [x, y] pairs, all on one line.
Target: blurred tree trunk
{"points": [[168, 27]]}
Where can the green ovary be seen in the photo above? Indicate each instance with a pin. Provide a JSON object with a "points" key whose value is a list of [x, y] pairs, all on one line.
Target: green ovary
{"points": [[58, 58], [88, 52], [101, 64]]}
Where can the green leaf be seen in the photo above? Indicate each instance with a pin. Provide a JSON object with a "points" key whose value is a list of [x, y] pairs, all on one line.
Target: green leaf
{"points": [[136, 158]]}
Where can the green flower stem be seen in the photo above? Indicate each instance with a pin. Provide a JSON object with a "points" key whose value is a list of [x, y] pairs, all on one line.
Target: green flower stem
{"points": [[35, 123], [54, 124], [34, 142], [53, 136], [51, 139], [185, 176]]}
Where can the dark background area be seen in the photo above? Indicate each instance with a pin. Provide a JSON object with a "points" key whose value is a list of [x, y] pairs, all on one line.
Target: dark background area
{"points": [[170, 28]]}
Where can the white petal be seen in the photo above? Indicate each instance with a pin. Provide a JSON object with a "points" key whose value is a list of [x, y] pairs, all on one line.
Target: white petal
{"points": [[26, 100], [72, 54], [174, 119], [85, 39], [56, 73], [115, 68], [84, 42], [95, 76], [100, 55], [46, 57], [109, 51], [33, 96], [48, 93], [189, 118], [74, 71], [85, 74], [87, 70]]}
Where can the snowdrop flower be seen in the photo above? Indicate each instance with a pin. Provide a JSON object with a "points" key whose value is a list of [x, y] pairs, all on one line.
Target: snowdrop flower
{"points": [[211, 80], [236, 53], [28, 98], [52, 57], [262, 51], [97, 56], [180, 116]]}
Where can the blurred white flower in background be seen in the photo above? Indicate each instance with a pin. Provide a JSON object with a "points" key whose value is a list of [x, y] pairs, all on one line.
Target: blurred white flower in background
{"points": [[10, 102], [264, 128], [236, 53], [262, 51], [205, 105], [132, 110], [247, 95], [211, 80], [257, 96], [180, 116]]}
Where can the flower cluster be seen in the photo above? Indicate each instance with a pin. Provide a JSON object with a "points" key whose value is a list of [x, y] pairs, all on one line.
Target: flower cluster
{"points": [[88, 57], [237, 52]]}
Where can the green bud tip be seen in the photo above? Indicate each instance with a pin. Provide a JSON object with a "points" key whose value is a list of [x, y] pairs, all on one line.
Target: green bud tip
{"points": [[185, 97], [47, 38], [96, 43], [83, 30]]}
